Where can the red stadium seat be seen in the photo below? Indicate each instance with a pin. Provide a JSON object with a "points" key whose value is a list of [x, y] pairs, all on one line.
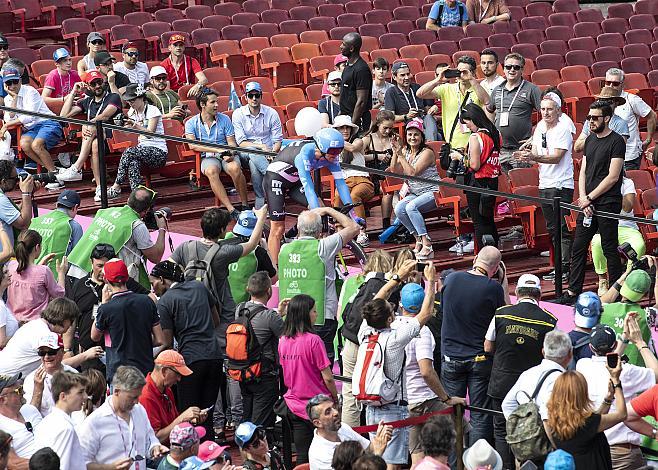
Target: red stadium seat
{"points": [[570, 6], [400, 26], [285, 4], [653, 78], [235, 32], [264, 30], [535, 22], [611, 39], [284, 40], [589, 15], [168, 15], [339, 32], [407, 12], [642, 21], [545, 77], [636, 64], [562, 19], [274, 15], [646, 7], [587, 29], [322, 23], [575, 73], [423, 36], [216, 21], [582, 44], [415, 52], [138, 18], [186, 25], [391, 55], [444, 47], [635, 81], [227, 8], [562, 33], [601, 67], [378, 17], [393, 40], [553, 46], [245, 18], [303, 13], [473, 44], [431, 61], [386, 4], [530, 51], [451, 33], [480, 30], [76, 30], [637, 50], [585, 58], [530, 36], [608, 53], [502, 40], [638, 36], [549, 61], [198, 12], [538, 9], [620, 10], [293, 26], [358, 6], [255, 6], [614, 25]]}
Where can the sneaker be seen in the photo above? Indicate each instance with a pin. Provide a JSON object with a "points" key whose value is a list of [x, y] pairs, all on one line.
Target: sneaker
{"points": [[70, 174], [551, 276], [566, 299], [65, 159], [113, 193], [97, 194], [235, 215], [455, 248], [469, 247], [603, 287], [363, 239], [515, 234], [56, 186], [30, 166], [545, 254]]}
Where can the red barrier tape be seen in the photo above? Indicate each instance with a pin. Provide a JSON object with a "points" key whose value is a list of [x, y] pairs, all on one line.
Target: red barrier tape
{"points": [[404, 422]]}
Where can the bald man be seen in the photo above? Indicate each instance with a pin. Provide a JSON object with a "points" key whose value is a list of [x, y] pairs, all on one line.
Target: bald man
{"points": [[356, 83], [470, 300]]}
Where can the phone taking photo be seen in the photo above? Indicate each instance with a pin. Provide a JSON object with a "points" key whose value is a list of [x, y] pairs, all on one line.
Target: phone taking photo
{"points": [[613, 359]]}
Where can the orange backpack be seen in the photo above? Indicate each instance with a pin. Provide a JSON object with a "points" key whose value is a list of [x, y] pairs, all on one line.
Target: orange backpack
{"points": [[243, 351]]}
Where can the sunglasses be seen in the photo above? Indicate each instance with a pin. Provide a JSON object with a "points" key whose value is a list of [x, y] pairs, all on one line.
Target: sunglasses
{"points": [[591, 117], [132, 54], [253, 96], [11, 82], [612, 83], [49, 352], [95, 83], [513, 67], [333, 84], [29, 427], [97, 42], [103, 250], [150, 191], [160, 78], [4, 48]]}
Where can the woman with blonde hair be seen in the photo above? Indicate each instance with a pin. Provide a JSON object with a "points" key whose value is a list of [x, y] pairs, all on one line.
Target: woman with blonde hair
{"points": [[575, 427]]}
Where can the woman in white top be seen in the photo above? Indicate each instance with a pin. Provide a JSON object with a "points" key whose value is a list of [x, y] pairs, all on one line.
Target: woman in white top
{"points": [[150, 151], [95, 43], [8, 323], [361, 187]]}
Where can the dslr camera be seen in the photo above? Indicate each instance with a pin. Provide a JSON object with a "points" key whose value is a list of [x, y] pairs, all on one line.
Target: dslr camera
{"points": [[150, 218], [43, 178], [629, 254], [456, 167]]}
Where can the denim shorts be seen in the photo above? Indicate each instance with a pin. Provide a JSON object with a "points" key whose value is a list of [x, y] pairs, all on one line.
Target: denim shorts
{"points": [[207, 162], [397, 452], [48, 130]]}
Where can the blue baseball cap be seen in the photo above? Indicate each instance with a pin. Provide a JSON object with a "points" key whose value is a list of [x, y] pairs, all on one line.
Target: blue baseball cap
{"points": [[195, 463], [411, 297], [559, 460], [245, 224], [253, 86], [68, 198], [10, 74], [61, 53], [244, 433]]}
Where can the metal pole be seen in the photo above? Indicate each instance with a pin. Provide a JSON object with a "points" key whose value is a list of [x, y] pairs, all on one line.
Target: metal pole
{"points": [[557, 241], [459, 430], [102, 168]]}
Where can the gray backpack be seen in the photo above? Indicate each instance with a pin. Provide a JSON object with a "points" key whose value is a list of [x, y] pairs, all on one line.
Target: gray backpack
{"points": [[201, 269], [526, 435]]}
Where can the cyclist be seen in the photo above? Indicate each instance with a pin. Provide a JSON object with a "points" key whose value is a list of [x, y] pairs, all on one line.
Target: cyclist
{"points": [[290, 172]]}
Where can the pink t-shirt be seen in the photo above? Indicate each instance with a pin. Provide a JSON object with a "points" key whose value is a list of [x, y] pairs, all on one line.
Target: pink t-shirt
{"points": [[61, 85], [30, 291], [302, 359]]}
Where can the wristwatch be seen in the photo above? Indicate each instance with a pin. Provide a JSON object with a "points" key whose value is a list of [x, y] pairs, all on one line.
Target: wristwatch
{"points": [[396, 278], [654, 431]]}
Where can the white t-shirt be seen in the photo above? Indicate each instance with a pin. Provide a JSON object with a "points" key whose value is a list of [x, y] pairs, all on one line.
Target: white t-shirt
{"points": [[321, 451], [631, 111], [139, 75], [563, 119], [634, 379], [20, 354], [559, 175], [7, 320], [23, 442], [57, 431], [489, 86], [421, 347], [47, 401], [627, 187], [150, 112]]}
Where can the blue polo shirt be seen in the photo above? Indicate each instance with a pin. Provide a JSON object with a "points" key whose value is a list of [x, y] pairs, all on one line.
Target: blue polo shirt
{"points": [[218, 132]]}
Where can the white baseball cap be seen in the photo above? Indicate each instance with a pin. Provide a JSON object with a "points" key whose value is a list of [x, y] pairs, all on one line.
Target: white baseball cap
{"points": [[156, 71], [334, 76], [529, 280]]}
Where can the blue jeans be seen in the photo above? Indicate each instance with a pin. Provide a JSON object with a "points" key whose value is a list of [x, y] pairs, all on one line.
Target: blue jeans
{"points": [[410, 211], [397, 451], [460, 377], [257, 167]]}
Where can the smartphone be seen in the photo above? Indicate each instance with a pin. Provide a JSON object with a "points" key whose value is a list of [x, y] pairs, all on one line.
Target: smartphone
{"points": [[613, 359], [452, 73], [205, 410], [420, 267], [184, 107], [528, 465]]}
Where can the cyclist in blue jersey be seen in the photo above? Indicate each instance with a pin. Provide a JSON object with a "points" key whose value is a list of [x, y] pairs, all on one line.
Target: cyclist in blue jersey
{"points": [[290, 172]]}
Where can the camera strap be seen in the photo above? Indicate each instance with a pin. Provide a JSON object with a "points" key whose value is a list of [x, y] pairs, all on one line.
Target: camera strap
{"points": [[459, 112]]}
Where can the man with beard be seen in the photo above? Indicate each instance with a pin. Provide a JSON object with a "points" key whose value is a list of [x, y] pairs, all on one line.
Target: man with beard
{"points": [[355, 96], [164, 98], [137, 72], [599, 185], [489, 66]]}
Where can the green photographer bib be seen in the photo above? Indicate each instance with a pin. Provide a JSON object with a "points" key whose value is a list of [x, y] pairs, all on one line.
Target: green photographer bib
{"points": [[239, 273], [614, 314], [302, 271], [55, 232]]}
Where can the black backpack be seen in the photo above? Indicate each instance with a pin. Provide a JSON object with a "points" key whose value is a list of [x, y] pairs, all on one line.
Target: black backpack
{"points": [[461, 15], [352, 317]]}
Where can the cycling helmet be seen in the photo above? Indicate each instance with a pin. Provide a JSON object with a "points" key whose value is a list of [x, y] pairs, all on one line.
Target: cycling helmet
{"points": [[329, 141], [588, 310]]}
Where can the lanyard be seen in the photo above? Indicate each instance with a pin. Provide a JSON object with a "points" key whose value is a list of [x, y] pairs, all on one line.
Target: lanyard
{"points": [[65, 91], [413, 96], [330, 108], [123, 440], [502, 92], [210, 127], [185, 69], [484, 12], [162, 104], [100, 107]]}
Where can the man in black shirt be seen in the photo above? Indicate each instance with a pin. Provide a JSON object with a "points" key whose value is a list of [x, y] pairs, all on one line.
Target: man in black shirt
{"points": [[87, 293], [599, 183], [515, 338], [356, 94], [116, 81]]}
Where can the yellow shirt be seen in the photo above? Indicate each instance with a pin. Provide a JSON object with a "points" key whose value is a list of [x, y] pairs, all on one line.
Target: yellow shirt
{"points": [[451, 99]]}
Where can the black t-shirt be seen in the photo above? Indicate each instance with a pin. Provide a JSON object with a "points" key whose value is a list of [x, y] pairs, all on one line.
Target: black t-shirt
{"points": [[328, 107], [400, 102], [588, 447], [186, 309], [128, 319], [469, 303], [599, 152], [356, 77], [93, 108], [86, 294], [120, 80]]}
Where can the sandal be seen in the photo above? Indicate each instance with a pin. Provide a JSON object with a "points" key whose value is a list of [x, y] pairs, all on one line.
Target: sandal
{"points": [[113, 193], [418, 248], [426, 253]]}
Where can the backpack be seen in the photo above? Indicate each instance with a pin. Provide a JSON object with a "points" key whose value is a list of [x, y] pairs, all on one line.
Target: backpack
{"points": [[576, 347], [370, 385], [243, 351], [201, 269], [461, 18], [352, 317], [526, 435]]}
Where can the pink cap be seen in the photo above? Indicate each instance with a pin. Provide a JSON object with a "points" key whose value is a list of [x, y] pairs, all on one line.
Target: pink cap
{"points": [[416, 124], [339, 59]]}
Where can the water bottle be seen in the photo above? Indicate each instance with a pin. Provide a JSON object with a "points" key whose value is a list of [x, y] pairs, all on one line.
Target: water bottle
{"points": [[460, 247], [587, 221]]}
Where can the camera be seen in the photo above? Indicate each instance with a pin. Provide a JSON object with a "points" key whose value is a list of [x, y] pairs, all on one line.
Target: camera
{"points": [[452, 73], [629, 254], [150, 218], [456, 169], [43, 178], [119, 120]]}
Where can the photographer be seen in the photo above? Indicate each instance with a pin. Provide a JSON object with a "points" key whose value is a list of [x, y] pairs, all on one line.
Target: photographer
{"points": [[416, 159], [14, 216], [149, 151], [632, 286], [124, 229], [98, 105], [483, 169]]}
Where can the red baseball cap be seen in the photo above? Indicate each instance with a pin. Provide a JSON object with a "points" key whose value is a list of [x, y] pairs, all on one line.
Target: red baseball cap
{"points": [[93, 75], [210, 450], [115, 270], [176, 38], [129, 45]]}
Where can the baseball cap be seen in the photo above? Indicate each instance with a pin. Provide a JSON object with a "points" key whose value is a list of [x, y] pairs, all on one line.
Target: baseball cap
{"points": [[10, 74], [171, 358], [339, 59], [399, 65], [68, 198], [587, 310], [245, 224], [174, 38], [51, 340], [93, 75], [102, 58], [9, 380], [157, 71], [334, 76], [184, 435], [210, 450], [559, 460], [603, 338], [195, 463], [411, 297], [3, 41], [129, 45], [168, 270], [94, 36], [61, 53], [529, 280], [636, 285], [244, 433], [115, 270], [416, 124], [253, 86]]}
